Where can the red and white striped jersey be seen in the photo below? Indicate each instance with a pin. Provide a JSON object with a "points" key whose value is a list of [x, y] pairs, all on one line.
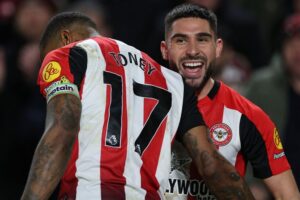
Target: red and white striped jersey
{"points": [[131, 109], [241, 131]]}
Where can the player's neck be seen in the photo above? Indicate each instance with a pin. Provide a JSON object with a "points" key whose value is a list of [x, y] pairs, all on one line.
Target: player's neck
{"points": [[206, 89]]}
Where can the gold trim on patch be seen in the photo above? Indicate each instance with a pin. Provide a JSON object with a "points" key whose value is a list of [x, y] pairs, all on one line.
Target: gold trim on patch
{"points": [[51, 71], [277, 140]]}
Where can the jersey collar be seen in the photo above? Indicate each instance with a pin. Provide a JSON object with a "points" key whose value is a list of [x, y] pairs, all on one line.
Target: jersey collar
{"points": [[212, 93]]}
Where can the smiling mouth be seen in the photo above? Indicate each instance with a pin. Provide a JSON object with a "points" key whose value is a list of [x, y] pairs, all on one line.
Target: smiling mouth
{"points": [[193, 65], [193, 69]]}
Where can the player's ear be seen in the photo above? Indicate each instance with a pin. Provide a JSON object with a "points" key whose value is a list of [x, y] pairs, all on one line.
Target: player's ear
{"points": [[164, 50], [65, 37], [219, 47]]}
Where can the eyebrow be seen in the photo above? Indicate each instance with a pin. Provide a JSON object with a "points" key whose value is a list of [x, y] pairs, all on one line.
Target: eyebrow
{"points": [[205, 34], [201, 34]]}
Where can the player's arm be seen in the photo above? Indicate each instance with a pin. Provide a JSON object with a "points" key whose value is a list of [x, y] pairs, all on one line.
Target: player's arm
{"points": [[283, 186], [54, 149], [261, 145], [220, 176]]}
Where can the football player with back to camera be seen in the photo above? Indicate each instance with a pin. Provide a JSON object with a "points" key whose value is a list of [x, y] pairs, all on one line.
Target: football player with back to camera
{"points": [[240, 130], [112, 113]]}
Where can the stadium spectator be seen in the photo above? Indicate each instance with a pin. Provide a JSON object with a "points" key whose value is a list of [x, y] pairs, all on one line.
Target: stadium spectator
{"points": [[276, 89], [22, 107]]}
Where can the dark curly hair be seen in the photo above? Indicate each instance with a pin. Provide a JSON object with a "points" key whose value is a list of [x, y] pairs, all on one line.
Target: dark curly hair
{"points": [[61, 21], [190, 10]]}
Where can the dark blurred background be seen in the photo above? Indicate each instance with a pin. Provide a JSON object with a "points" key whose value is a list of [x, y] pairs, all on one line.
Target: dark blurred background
{"points": [[251, 31]]}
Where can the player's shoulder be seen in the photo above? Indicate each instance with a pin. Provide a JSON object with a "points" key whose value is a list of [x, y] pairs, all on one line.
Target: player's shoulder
{"points": [[59, 53], [234, 97], [234, 100]]}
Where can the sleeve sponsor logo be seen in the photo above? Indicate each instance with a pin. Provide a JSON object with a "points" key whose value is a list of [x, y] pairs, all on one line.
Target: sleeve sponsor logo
{"points": [[277, 140], [221, 134], [279, 155], [51, 71]]}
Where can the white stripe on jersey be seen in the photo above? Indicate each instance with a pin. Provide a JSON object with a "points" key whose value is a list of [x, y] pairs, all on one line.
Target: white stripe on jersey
{"points": [[93, 108], [171, 128], [135, 105], [232, 119]]}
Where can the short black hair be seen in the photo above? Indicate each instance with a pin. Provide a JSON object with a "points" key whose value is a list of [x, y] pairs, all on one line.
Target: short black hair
{"points": [[63, 20], [187, 10]]}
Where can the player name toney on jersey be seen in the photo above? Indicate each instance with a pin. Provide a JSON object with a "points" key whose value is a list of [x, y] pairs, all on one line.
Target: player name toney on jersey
{"points": [[125, 59]]}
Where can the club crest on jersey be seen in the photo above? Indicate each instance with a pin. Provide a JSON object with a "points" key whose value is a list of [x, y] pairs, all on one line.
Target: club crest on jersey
{"points": [[51, 71], [277, 140], [221, 134]]}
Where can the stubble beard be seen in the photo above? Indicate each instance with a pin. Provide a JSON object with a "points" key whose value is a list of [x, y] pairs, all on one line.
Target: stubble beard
{"points": [[199, 85], [208, 74]]}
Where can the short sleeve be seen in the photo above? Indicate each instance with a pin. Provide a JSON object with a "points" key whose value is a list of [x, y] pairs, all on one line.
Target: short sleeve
{"points": [[261, 145], [55, 75], [190, 116]]}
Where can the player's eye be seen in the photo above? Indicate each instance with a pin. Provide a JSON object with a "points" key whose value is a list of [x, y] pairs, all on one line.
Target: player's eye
{"points": [[203, 39], [180, 40]]}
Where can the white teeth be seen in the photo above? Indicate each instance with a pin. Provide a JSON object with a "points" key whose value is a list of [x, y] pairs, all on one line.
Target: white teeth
{"points": [[193, 64]]}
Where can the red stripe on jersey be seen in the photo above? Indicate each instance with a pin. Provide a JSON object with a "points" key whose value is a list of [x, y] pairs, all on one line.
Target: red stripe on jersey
{"points": [[240, 164], [150, 156], [211, 114], [263, 123], [113, 158], [69, 181]]}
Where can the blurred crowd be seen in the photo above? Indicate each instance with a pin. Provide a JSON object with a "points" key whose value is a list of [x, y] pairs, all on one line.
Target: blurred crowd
{"points": [[261, 59]]}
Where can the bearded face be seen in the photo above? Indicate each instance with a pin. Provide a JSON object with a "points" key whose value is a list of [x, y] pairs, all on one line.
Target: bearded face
{"points": [[191, 49]]}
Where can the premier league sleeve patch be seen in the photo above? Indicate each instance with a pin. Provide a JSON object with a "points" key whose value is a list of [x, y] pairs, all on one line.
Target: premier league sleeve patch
{"points": [[63, 86]]}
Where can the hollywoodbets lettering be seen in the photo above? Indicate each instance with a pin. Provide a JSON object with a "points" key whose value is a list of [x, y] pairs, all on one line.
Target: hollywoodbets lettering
{"points": [[195, 188], [123, 60]]}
